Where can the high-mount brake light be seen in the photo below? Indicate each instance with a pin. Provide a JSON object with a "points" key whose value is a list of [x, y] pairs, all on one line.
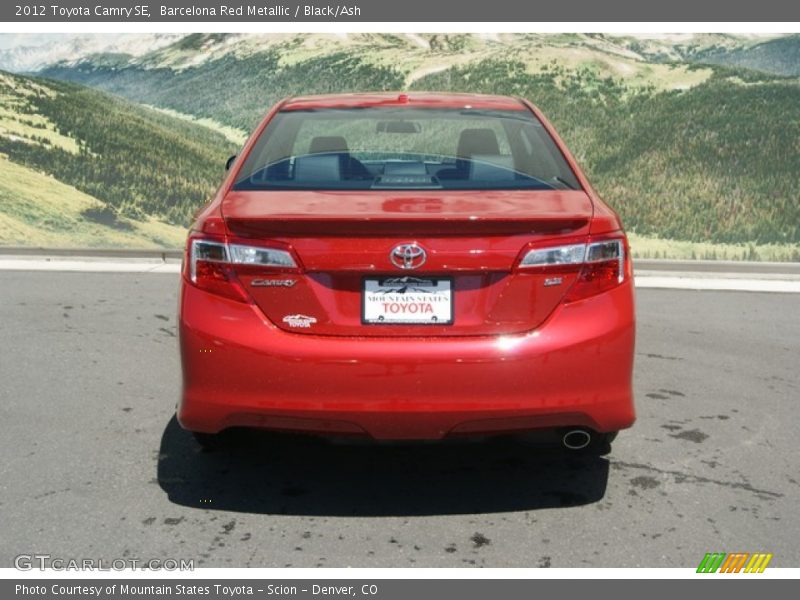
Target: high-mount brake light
{"points": [[211, 265]]}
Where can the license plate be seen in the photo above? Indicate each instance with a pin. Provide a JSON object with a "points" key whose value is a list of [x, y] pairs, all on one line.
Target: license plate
{"points": [[407, 301]]}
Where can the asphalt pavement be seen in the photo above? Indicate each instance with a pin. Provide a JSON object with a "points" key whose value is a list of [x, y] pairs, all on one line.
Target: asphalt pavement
{"points": [[94, 465]]}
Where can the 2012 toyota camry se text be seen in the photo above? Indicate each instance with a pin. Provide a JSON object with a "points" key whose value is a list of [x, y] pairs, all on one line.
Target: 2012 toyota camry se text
{"points": [[407, 267]]}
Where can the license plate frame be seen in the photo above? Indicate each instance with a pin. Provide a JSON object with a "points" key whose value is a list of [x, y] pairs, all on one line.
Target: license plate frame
{"points": [[436, 291]]}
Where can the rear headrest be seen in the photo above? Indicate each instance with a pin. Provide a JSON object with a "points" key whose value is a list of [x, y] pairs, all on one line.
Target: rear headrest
{"points": [[477, 141], [328, 144]]}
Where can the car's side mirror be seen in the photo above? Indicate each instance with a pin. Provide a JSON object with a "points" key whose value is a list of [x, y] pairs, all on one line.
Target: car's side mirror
{"points": [[229, 162]]}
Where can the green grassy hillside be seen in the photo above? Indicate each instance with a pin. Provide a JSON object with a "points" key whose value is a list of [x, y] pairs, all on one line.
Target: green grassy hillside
{"points": [[683, 151], [234, 80], [232, 90], [716, 162], [38, 210], [123, 167], [780, 56]]}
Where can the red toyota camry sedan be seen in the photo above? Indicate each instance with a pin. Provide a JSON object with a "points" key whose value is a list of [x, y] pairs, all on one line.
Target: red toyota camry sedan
{"points": [[407, 267]]}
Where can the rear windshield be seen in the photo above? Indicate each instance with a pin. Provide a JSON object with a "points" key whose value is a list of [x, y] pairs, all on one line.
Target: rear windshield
{"points": [[405, 148]]}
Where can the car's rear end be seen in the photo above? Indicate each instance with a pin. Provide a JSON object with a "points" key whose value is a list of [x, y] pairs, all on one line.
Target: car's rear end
{"points": [[407, 268]]}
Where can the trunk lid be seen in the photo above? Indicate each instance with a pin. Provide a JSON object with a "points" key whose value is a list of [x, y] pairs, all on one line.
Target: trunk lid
{"points": [[471, 239]]}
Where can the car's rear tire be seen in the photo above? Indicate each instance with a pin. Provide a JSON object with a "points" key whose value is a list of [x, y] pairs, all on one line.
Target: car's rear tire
{"points": [[211, 442], [601, 443]]}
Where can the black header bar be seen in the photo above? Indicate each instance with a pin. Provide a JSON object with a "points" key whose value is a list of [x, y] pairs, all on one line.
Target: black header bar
{"points": [[306, 11]]}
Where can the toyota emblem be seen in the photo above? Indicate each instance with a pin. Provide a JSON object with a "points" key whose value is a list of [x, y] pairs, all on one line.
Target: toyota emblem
{"points": [[408, 256]]}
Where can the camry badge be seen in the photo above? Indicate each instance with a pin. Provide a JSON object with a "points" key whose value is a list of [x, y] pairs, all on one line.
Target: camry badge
{"points": [[408, 256], [273, 282]]}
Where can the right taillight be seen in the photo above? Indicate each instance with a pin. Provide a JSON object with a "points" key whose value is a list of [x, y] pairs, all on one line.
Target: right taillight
{"points": [[601, 264], [211, 264]]}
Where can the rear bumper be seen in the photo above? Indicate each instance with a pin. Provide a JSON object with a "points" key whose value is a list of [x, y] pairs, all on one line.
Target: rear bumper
{"points": [[240, 370]]}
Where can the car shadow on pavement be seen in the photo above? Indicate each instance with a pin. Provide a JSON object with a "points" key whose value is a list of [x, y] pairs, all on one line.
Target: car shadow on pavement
{"points": [[266, 473]]}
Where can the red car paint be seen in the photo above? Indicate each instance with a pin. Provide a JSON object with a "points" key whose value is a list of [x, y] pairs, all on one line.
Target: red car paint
{"points": [[521, 353]]}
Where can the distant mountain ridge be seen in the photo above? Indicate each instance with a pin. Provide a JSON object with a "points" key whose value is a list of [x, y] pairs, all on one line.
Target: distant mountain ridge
{"points": [[40, 51], [773, 54]]}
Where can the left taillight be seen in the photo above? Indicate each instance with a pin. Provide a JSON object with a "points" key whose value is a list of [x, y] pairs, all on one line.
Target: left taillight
{"points": [[211, 264]]}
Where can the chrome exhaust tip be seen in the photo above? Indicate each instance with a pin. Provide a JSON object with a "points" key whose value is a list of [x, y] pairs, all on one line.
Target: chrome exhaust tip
{"points": [[576, 439]]}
